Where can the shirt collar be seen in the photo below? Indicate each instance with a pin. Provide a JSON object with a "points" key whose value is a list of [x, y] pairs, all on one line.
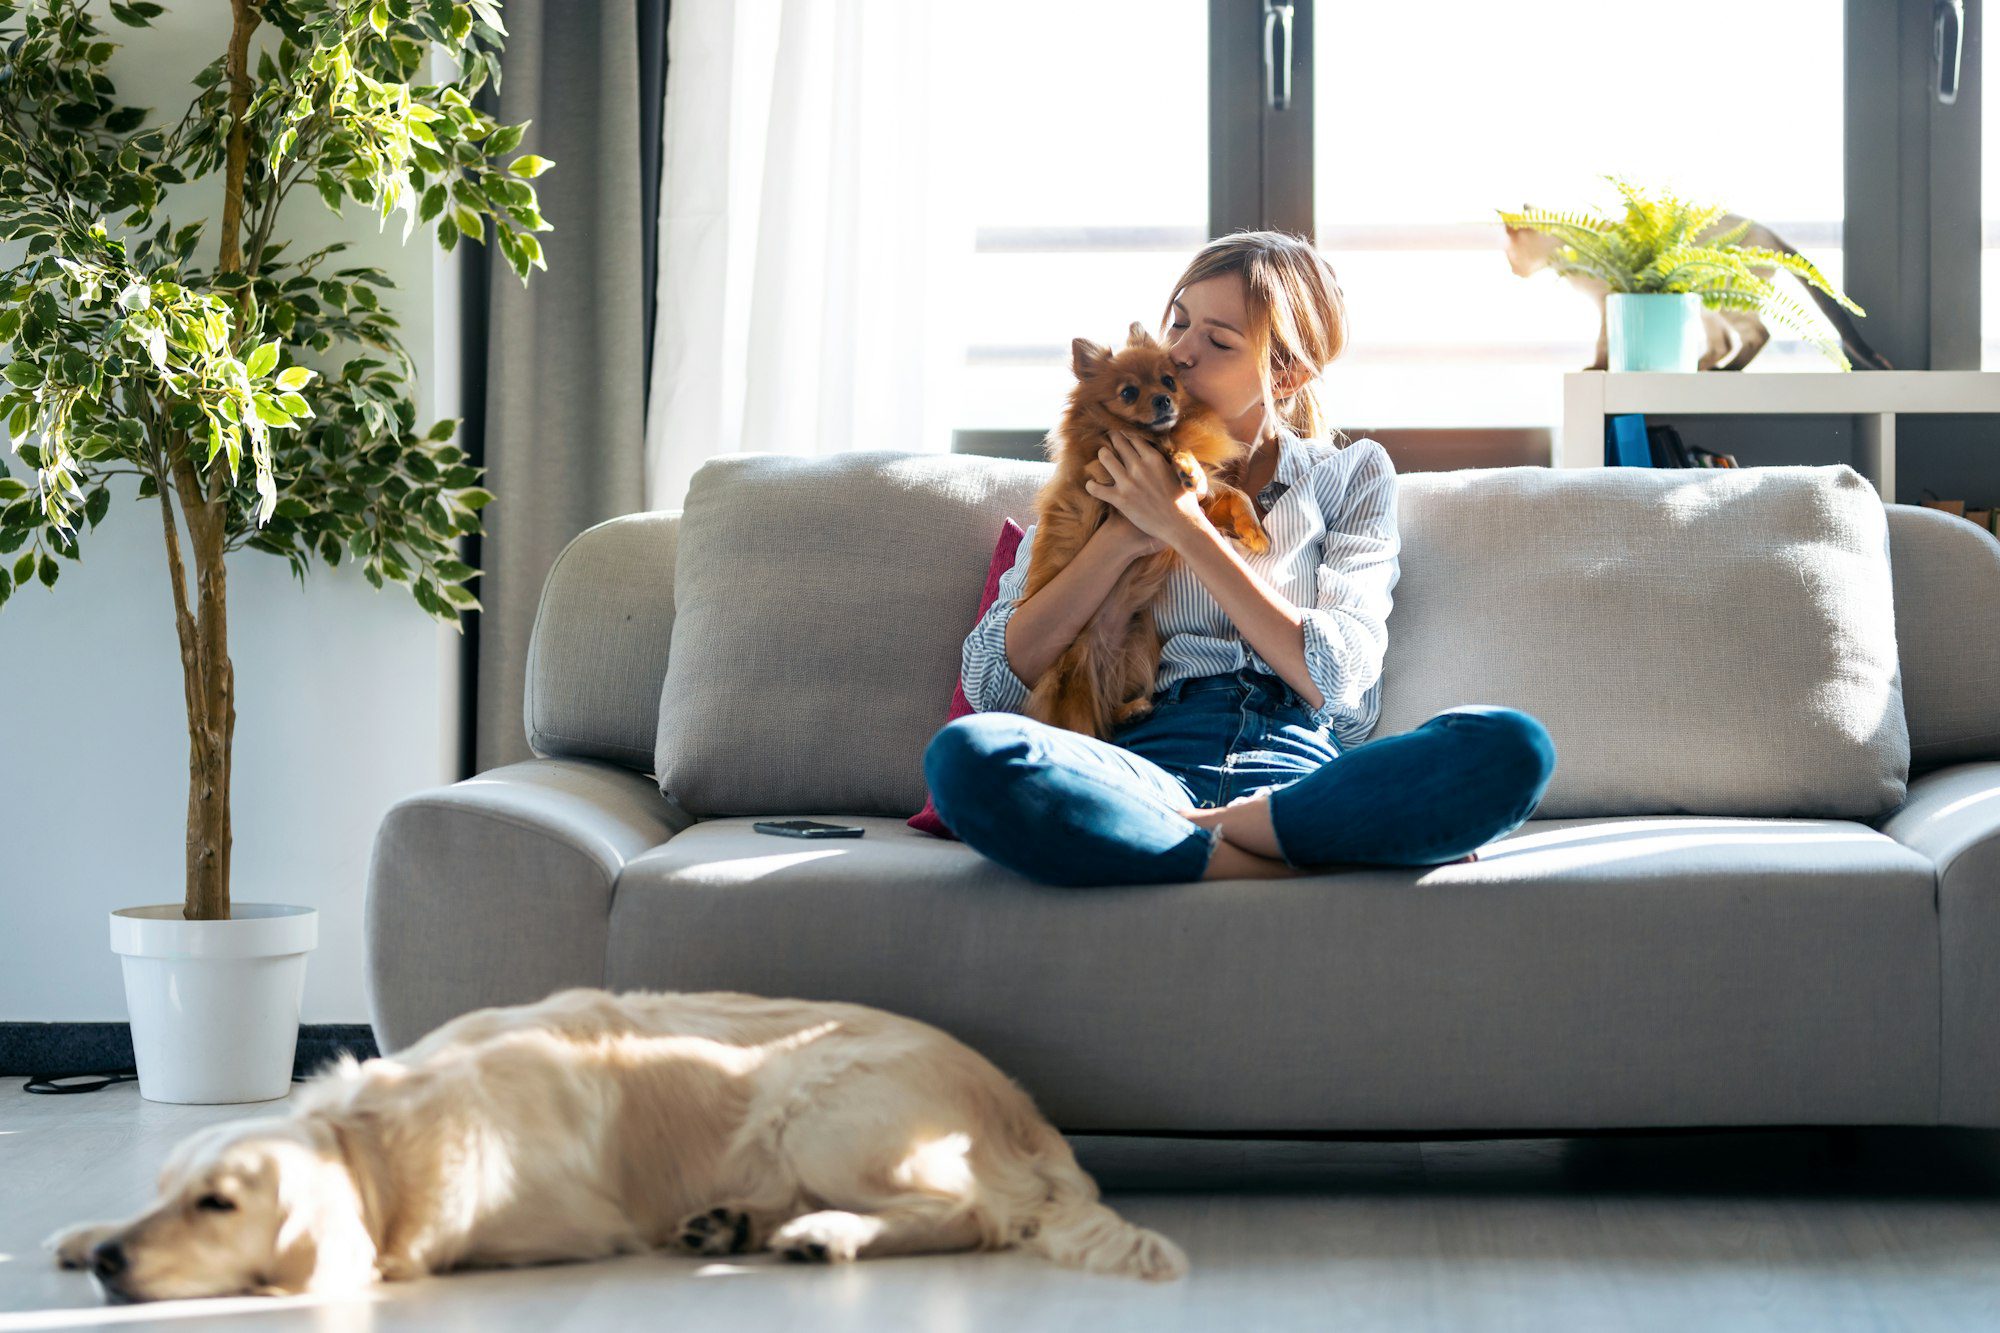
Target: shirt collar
{"points": [[1293, 465]]}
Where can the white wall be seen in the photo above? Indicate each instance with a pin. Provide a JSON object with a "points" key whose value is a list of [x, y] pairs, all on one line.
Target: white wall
{"points": [[346, 697]]}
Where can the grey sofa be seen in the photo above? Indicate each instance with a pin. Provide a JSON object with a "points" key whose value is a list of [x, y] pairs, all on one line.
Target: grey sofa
{"points": [[1627, 968]]}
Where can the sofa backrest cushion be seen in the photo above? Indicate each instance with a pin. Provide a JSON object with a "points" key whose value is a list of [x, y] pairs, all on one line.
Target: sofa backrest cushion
{"points": [[603, 636], [819, 603], [1700, 641], [1948, 633]]}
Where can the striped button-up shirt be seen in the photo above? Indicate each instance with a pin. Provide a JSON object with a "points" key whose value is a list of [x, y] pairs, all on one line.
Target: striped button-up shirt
{"points": [[1331, 513]]}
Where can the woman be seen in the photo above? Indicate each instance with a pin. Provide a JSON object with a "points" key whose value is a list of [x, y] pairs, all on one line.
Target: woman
{"points": [[1251, 762]]}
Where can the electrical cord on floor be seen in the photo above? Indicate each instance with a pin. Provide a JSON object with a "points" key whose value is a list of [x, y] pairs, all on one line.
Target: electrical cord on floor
{"points": [[89, 1081]]}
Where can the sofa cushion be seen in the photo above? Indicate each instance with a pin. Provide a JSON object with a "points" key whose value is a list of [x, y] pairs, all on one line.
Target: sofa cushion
{"points": [[818, 602], [1667, 970], [1947, 603], [1703, 641]]}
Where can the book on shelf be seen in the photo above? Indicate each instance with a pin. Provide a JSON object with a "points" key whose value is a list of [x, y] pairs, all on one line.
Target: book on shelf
{"points": [[1630, 442]]}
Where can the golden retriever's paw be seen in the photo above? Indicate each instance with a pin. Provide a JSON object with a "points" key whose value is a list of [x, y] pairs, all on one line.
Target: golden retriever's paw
{"points": [[830, 1237], [400, 1268], [72, 1245], [720, 1230]]}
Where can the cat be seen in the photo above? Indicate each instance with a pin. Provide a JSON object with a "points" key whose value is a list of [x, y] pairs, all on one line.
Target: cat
{"points": [[1104, 678], [1734, 337]]}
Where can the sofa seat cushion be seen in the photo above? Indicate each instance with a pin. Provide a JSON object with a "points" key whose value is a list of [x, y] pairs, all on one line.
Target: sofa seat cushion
{"points": [[1666, 970], [1696, 641]]}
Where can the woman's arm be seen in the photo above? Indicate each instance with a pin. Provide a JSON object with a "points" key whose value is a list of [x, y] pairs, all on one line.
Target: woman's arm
{"points": [[1332, 651], [1266, 618], [991, 654], [1045, 625]]}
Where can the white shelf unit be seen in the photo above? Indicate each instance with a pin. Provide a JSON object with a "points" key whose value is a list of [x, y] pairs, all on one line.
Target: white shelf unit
{"points": [[1874, 398]]}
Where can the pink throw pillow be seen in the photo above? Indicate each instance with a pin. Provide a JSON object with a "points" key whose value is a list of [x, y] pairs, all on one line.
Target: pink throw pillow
{"points": [[1011, 533]]}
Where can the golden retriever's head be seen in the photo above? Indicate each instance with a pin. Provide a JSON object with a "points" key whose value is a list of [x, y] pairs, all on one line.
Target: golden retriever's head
{"points": [[261, 1207]]}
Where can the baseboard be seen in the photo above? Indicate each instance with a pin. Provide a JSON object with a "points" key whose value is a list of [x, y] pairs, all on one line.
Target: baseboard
{"points": [[88, 1048]]}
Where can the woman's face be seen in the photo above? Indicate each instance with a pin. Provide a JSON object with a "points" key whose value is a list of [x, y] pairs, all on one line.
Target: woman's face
{"points": [[1208, 342]]}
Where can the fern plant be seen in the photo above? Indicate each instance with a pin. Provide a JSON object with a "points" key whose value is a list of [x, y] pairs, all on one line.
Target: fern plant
{"points": [[1658, 246]]}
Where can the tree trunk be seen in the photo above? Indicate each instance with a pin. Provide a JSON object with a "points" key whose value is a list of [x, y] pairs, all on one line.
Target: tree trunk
{"points": [[208, 675], [210, 681]]}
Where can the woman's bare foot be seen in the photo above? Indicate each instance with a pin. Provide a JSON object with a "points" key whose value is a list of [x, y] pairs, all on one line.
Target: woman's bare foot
{"points": [[1246, 824], [1229, 861]]}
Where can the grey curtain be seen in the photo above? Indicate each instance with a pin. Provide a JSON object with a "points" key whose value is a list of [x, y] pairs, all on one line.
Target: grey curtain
{"points": [[555, 374]]}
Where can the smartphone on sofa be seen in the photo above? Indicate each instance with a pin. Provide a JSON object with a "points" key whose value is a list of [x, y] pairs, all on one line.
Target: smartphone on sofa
{"points": [[807, 828]]}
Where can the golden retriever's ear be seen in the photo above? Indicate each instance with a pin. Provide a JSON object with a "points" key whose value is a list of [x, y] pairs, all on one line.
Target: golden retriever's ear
{"points": [[322, 1243], [1086, 357]]}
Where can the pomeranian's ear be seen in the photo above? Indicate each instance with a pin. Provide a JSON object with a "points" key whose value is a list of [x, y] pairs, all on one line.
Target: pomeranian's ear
{"points": [[1140, 336], [1085, 356]]}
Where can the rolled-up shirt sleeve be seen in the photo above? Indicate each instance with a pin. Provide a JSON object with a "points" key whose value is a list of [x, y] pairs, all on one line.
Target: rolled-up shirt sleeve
{"points": [[983, 670], [1347, 627]]}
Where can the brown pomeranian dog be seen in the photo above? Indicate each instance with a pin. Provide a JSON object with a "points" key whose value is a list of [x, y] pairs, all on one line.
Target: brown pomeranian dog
{"points": [[1105, 678]]}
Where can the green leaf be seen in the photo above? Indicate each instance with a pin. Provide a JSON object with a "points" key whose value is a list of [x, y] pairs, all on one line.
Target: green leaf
{"points": [[94, 508], [24, 568], [529, 165], [262, 360], [10, 489], [506, 139], [292, 378], [49, 571], [475, 498], [269, 412], [24, 373]]}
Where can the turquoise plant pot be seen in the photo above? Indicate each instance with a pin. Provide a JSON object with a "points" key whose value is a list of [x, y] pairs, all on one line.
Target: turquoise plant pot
{"points": [[1654, 330]]}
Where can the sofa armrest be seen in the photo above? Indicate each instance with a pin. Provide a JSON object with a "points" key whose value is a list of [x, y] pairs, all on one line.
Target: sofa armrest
{"points": [[497, 889], [1952, 816]]}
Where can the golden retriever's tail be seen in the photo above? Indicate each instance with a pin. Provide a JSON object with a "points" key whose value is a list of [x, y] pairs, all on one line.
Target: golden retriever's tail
{"points": [[1069, 1226], [1092, 1237]]}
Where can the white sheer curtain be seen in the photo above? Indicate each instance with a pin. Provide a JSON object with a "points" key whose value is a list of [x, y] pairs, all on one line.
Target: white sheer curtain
{"points": [[813, 232]]}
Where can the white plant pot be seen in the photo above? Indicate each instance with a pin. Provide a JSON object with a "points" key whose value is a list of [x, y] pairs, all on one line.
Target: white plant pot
{"points": [[214, 1004]]}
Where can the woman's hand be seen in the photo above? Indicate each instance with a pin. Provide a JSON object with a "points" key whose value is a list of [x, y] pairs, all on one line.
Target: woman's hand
{"points": [[1136, 544], [1146, 490]]}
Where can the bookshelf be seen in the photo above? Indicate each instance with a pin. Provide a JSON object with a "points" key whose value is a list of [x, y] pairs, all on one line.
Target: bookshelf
{"points": [[1873, 398]]}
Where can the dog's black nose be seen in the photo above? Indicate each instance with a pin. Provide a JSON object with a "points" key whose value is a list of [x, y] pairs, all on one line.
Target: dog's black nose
{"points": [[108, 1259], [1162, 403]]}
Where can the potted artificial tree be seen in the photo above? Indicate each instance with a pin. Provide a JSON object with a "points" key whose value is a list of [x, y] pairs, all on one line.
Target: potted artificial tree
{"points": [[128, 355], [1661, 272]]}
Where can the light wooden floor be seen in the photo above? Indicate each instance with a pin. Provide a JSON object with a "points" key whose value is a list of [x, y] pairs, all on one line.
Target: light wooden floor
{"points": [[1900, 1228]]}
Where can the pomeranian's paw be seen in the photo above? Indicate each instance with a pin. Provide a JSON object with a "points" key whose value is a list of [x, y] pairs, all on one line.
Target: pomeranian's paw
{"points": [[1254, 541], [1130, 709], [830, 1237], [72, 1245]]}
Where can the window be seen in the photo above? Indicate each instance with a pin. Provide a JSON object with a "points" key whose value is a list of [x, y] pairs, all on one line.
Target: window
{"points": [[1420, 136], [1090, 189]]}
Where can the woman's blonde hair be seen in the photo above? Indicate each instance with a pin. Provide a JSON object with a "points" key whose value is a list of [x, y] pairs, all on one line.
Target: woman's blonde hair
{"points": [[1297, 313]]}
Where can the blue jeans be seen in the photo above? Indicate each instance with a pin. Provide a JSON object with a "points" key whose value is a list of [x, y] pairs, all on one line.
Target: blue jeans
{"points": [[1064, 808]]}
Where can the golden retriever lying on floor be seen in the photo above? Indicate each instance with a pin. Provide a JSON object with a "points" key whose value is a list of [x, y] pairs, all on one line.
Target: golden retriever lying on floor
{"points": [[593, 1124]]}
